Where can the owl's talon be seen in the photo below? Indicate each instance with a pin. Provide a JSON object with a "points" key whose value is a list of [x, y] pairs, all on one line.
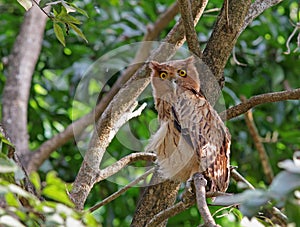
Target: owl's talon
{"points": [[188, 185], [188, 193]]}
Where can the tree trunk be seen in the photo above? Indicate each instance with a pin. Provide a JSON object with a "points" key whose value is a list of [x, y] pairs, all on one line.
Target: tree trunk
{"points": [[21, 66], [155, 198]]}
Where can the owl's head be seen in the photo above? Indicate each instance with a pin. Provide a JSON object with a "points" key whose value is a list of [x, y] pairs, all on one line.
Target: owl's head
{"points": [[172, 76]]}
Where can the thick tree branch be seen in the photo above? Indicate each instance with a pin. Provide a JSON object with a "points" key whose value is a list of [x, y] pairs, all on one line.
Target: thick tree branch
{"points": [[259, 146], [190, 33], [121, 191], [223, 38], [260, 99], [188, 201], [21, 66], [220, 45]]}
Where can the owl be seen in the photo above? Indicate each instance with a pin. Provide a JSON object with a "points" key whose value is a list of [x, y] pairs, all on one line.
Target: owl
{"points": [[191, 137]]}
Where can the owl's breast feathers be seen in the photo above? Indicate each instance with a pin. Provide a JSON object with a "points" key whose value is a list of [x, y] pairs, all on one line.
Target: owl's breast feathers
{"points": [[194, 139]]}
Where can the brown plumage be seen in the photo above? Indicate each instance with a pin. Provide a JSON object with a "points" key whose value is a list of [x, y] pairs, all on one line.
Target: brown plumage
{"points": [[192, 137]]}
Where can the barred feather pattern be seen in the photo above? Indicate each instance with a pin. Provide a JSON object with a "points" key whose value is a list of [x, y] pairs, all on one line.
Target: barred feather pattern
{"points": [[192, 137]]}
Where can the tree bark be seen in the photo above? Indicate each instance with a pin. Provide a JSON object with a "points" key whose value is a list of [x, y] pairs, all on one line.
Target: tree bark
{"points": [[155, 198], [21, 66], [220, 44]]}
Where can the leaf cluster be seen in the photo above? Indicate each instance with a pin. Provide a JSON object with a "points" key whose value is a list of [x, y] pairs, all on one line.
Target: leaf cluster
{"points": [[21, 208]]}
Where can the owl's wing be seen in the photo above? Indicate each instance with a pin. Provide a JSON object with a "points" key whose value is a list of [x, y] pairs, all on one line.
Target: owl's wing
{"points": [[204, 131]]}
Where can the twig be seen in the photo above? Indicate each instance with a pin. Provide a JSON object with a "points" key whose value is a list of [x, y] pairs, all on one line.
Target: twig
{"points": [[258, 7], [120, 164], [190, 33], [44, 11], [121, 191], [297, 27], [259, 146], [235, 59], [200, 184], [239, 178], [260, 99]]}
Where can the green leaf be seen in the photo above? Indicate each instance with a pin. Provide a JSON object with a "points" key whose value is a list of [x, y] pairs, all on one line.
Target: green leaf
{"points": [[11, 200], [43, 3], [5, 140], [7, 166], [64, 17], [27, 4], [81, 11], [78, 31], [19, 191], [35, 180], [68, 8], [57, 194], [59, 33]]}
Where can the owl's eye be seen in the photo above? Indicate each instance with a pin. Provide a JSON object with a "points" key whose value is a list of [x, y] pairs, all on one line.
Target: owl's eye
{"points": [[163, 75], [181, 73]]}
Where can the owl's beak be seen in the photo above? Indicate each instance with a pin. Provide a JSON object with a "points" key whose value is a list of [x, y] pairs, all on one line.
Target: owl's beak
{"points": [[174, 84]]}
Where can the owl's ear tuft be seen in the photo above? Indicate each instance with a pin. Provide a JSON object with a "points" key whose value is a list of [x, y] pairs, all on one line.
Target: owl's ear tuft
{"points": [[190, 60], [154, 65]]}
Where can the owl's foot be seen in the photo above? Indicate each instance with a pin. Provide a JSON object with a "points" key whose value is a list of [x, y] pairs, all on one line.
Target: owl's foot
{"points": [[189, 191], [189, 185]]}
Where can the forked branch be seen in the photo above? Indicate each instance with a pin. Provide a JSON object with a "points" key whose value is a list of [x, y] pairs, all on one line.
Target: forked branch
{"points": [[260, 99], [190, 33], [121, 191]]}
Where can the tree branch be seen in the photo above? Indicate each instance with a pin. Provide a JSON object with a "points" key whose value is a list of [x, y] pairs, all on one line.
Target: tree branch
{"points": [[120, 164], [259, 146], [260, 99], [121, 191], [258, 7], [187, 201], [21, 65], [172, 211], [190, 33], [220, 45], [200, 184], [234, 174]]}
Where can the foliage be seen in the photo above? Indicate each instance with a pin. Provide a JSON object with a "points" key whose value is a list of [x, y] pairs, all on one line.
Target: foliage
{"points": [[112, 24], [60, 15], [25, 209], [282, 192]]}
